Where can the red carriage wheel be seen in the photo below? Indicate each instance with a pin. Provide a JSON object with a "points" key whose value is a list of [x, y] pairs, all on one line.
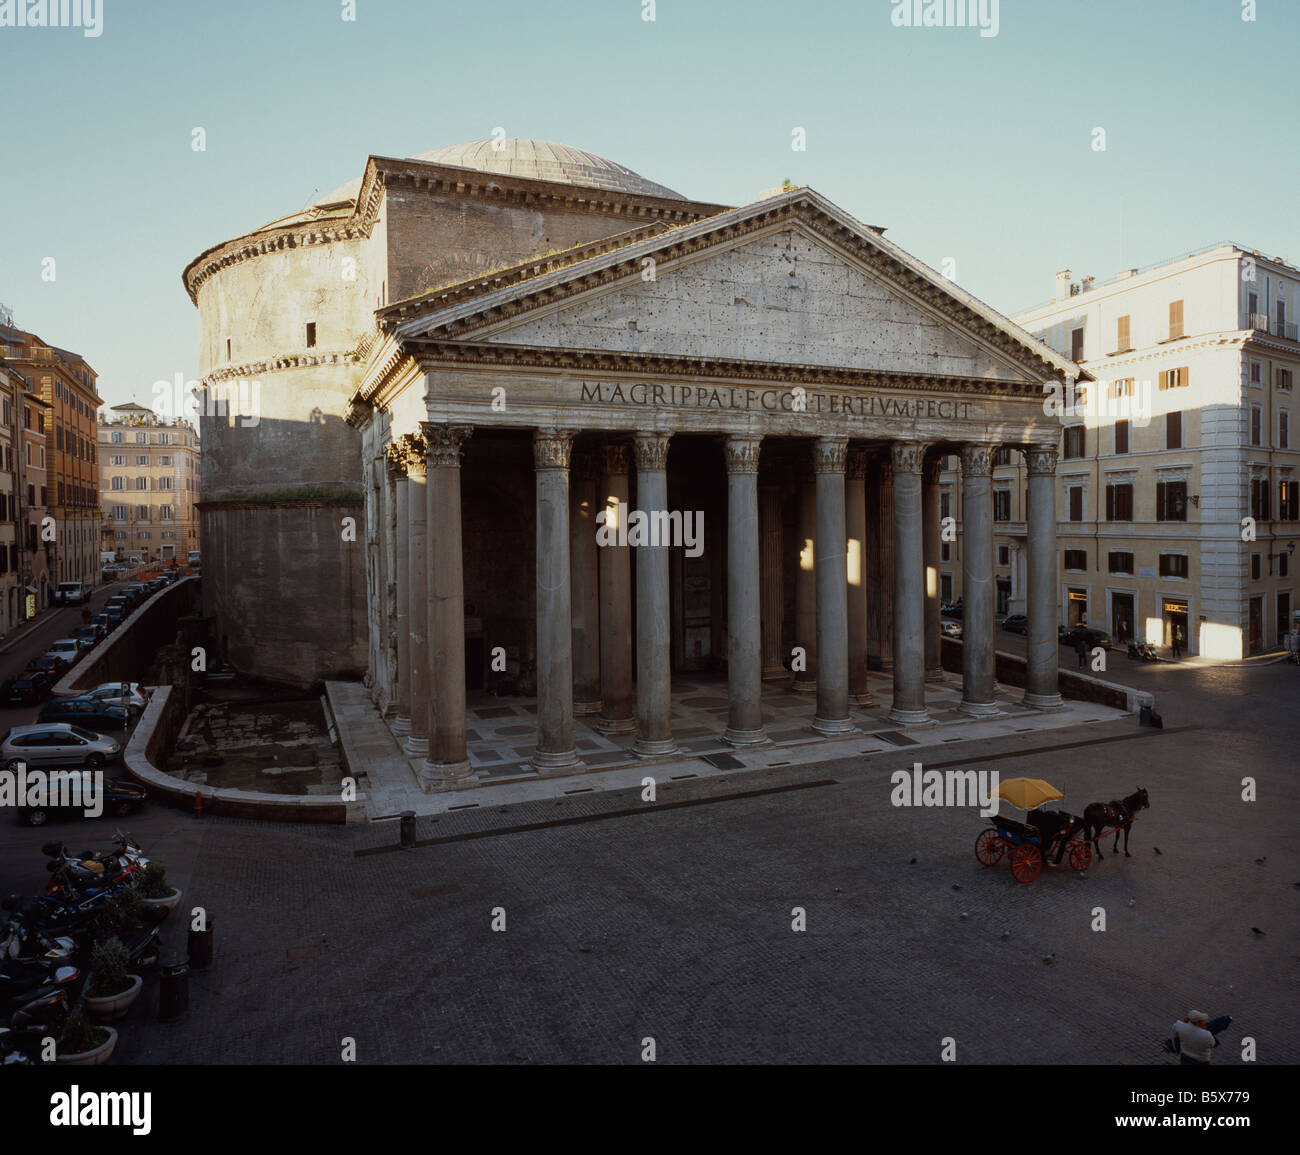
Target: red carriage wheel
{"points": [[1026, 862], [989, 848], [1080, 854]]}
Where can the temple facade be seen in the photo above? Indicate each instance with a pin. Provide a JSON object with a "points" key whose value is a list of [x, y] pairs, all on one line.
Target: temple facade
{"points": [[592, 434]]}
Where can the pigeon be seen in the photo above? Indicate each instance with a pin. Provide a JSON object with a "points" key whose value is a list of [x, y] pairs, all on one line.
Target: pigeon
{"points": [[1255, 930], [1132, 902], [1048, 957], [1006, 934], [1157, 850], [1260, 859], [965, 915], [912, 863]]}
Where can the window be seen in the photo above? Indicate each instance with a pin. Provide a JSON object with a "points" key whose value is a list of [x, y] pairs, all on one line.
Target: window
{"points": [[142, 459], [164, 439], [117, 459], [1283, 564], [1173, 378], [1171, 501], [60, 493], [1283, 377], [1173, 565], [1174, 430], [1288, 492], [227, 348], [1076, 345], [1175, 320], [1076, 441], [945, 503], [120, 513], [1004, 555], [58, 437], [1256, 373], [164, 483], [117, 483], [116, 436], [165, 513], [1075, 493], [311, 334], [1122, 342], [1076, 559], [945, 551], [1255, 568], [1002, 505], [1121, 388], [1283, 429], [164, 461], [1256, 425], [142, 439], [1259, 499], [142, 483], [1121, 436], [1003, 455], [1119, 502], [1120, 561]]}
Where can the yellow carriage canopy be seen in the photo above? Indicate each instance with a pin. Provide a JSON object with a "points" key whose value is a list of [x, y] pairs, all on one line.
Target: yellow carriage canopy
{"points": [[1027, 793]]}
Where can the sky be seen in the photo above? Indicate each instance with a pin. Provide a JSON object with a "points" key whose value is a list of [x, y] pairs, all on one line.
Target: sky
{"points": [[979, 150]]}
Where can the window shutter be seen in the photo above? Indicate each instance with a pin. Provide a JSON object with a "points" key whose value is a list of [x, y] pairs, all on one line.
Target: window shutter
{"points": [[1164, 379], [1110, 503], [1123, 334], [1160, 501]]}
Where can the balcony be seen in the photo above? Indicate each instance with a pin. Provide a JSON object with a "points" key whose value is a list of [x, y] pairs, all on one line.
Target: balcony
{"points": [[1261, 322]]}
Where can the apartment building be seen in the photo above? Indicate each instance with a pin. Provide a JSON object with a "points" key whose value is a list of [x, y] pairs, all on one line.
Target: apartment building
{"points": [[148, 484], [1176, 487], [11, 594]]}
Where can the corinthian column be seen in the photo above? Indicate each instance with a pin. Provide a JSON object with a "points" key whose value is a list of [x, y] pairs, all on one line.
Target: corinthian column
{"points": [[555, 749], [744, 636], [805, 582], [447, 761], [880, 564], [654, 734], [417, 519], [977, 581], [909, 587], [773, 579], [930, 532], [586, 597], [855, 518], [832, 715], [1041, 682], [396, 453], [616, 705]]}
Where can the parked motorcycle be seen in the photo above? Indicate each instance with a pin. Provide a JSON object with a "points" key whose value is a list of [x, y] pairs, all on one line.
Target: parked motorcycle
{"points": [[1144, 650]]}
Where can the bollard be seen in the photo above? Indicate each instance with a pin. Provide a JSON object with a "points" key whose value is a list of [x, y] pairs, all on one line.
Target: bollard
{"points": [[173, 992], [198, 804], [200, 946], [408, 828]]}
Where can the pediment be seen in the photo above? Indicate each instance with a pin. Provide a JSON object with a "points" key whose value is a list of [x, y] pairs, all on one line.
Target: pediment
{"points": [[785, 282]]}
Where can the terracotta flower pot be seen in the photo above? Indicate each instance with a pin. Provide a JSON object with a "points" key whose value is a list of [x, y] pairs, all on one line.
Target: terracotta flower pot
{"points": [[108, 1008], [96, 1058]]}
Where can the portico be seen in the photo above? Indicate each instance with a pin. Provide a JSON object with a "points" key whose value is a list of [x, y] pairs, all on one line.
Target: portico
{"points": [[784, 376]]}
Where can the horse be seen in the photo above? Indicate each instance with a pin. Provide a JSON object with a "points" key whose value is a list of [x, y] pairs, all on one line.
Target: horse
{"points": [[1120, 814]]}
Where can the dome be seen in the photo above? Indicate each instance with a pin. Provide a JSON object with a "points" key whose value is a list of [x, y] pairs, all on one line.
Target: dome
{"points": [[542, 160]]}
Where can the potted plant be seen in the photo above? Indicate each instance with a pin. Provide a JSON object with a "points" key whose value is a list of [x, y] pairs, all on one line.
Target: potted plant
{"points": [[81, 1043], [153, 889], [120, 916], [111, 990]]}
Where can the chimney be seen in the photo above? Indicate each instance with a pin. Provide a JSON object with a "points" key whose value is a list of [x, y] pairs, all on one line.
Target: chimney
{"points": [[1088, 283], [1124, 274], [1062, 285]]}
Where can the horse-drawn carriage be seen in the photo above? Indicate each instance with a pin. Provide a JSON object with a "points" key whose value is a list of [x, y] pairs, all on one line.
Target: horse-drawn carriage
{"points": [[1030, 843]]}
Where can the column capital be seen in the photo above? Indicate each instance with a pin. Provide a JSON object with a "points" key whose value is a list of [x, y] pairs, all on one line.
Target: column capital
{"points": [[552, 448], [907, 456], [856, 465], [651, 450], [977, 460], [585, 465], [742, 453], [443, 443], [931, 467], [406, 455], [395, 461], [1041, 459], [829, 454], [614, 457]]}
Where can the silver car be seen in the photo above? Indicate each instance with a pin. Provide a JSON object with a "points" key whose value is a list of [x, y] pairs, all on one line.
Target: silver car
{"points": [[57, 744]]}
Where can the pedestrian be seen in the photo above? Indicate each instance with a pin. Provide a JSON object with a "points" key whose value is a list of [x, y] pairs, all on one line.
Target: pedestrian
{"points": [[1123, 631], [1195, 1038], [1176, 644], [1081, 648]]}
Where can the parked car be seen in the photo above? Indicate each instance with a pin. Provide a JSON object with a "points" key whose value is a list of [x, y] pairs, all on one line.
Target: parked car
{"points": [[113, 692], [49, 664], [169, 576], [57, 744], [950, 629], [71, 593], [193, 558], [93, 713], [105, 626], [1016, 624], [137, 590], [116, 615], [119, 799], [1086, 634], [90, 635], [65, 648], [28, 690]]}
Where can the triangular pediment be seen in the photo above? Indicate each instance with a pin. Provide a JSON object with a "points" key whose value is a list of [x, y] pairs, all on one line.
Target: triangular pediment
{"points": [[790, 281]]}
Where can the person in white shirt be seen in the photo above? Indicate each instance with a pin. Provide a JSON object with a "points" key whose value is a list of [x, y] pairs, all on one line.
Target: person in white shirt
{"points": [[1194, 1038]]}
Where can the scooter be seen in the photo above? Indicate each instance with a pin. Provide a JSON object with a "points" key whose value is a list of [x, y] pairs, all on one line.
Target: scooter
{"points": [[1144, 650]]}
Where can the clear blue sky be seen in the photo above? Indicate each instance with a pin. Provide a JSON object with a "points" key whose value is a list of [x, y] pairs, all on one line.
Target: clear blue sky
{"points": [[973, 148]]}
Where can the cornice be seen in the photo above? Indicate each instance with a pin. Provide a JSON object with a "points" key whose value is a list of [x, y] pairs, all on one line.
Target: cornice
{"points": [[258, 244], [450, 354], [275, 364]]}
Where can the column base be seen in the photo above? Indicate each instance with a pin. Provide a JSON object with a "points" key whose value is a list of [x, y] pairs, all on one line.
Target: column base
{"points": [[654, 747], [909, 717], [744, 737], [935, 675], [1044, 701], [862, 699], [444, 775], [604, 725], [775, 673], [585, 709], [978, 709], [401, 726], [830, 726], [550, 761], [804, 686], [416, 746]]}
